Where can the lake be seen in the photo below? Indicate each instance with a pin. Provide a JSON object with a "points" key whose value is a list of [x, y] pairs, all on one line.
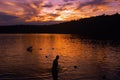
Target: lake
{"points": [[79, 59]]}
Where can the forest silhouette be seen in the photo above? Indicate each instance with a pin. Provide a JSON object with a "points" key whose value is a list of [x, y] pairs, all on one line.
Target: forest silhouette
{"points": [[104, 26]]}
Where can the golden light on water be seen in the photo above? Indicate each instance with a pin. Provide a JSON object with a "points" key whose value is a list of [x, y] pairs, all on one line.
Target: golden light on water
{"points": [[83, 58]]}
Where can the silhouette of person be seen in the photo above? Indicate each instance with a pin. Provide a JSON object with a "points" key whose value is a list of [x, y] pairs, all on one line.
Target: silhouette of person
{"points": [[55, 68]]}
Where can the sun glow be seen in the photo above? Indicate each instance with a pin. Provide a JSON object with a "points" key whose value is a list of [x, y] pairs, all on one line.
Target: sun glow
{"points": [[59, 18], [60, 10]]}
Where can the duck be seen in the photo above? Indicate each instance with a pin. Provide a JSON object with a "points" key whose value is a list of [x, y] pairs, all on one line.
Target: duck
{"points": [[29, 49]]}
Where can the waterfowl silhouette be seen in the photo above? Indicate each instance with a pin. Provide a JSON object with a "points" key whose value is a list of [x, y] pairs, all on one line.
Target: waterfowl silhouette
{"points": [[29, 49]]}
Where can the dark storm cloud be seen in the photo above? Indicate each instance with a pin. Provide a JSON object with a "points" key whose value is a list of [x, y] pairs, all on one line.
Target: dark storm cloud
{"points": [[6, 17], [93, 3]]}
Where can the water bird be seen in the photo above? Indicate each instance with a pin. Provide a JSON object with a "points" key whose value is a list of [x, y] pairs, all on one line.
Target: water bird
{"points": [[53, 48], [46, 56], [29, 49], [75, 67], [40, 48]]}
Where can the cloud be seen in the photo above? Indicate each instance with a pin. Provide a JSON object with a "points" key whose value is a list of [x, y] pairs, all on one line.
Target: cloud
{"points": [[68, 0], [65, 6], [93, 3], [30, 9], [7, 17], [48, 5], [54, 15], [52, 10]]}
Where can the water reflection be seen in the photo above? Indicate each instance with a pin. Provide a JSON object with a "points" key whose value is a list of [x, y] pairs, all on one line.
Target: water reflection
{"points": [[93, 59]]}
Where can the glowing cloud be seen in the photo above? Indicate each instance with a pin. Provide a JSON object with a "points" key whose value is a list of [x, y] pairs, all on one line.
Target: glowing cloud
{"points": [[56, 10]]}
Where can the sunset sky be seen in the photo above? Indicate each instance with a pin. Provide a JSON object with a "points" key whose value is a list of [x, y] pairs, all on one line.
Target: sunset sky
{"points": [[51, 11]]}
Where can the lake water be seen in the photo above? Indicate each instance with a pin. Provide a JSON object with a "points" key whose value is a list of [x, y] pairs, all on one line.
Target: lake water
{"points": [[94, 59]]}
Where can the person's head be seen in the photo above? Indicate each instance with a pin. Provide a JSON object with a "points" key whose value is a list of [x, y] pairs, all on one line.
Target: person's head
{"points": [[57, 57]]}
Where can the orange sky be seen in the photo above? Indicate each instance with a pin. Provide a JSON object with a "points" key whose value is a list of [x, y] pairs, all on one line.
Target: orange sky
{"points": [[32, 11]]}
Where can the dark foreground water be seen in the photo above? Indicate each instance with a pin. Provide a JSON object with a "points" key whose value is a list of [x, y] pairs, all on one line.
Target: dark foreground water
{"points": [[80, 59]]}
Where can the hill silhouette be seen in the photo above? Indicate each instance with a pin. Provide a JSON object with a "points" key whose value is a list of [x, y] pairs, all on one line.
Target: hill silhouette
{"points": [[104, 26]]}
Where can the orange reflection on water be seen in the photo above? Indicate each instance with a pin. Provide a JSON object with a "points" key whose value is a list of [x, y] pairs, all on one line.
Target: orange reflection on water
{"points": [[57, 44], [92, 59]]}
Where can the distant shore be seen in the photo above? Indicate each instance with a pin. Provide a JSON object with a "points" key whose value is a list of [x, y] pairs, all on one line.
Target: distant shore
{"points": [[103, 26]]}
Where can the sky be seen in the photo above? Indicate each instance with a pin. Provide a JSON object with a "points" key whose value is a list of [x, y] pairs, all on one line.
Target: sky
{"points": [[52, 11]]}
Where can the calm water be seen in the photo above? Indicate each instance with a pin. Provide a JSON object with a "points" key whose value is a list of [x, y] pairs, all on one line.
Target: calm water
{"points": [[95, 60]]}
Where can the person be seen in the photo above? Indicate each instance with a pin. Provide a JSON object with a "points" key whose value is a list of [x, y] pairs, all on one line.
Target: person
{"points": [[55, 68]]}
